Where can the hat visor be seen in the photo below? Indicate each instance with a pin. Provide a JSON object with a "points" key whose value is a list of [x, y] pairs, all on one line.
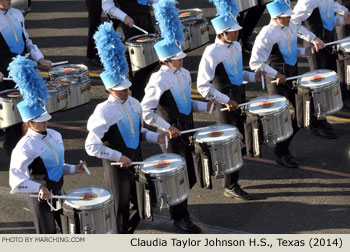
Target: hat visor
{"points": [[124, 85], [42, 118], [178, 56], [289, 13], [236, 27]]}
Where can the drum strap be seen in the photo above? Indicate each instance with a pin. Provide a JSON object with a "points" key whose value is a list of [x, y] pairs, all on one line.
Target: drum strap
{"points": [[145, 179], [252, 134], [303, 109]]}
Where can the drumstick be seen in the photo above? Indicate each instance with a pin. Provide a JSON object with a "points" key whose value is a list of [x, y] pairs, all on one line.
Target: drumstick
{"points": [[166, 142], [6, 78], [337, 42], [239, 105], [85, 168], [193, 130], [58, 197], [262, 82], [211, 108], [134, 163], [140, 29], [294, 77], [59, 63]]}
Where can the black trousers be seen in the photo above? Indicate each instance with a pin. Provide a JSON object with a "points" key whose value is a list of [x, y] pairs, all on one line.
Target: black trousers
{"points": [[121, 183], [94, 8], [45, 220], [182, 147]]}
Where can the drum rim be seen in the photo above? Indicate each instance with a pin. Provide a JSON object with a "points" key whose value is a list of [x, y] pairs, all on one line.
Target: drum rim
{"points": [[205, 22], [5, 99], [216, 142], [90, 207], [319, 87], [86, 69], [280, 109], [174, 171], [128, 42]]}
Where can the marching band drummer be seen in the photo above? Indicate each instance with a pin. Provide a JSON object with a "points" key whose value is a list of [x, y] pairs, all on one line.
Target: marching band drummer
{"points": [[276, 44], [169, 92], [220, 76], [319, 18], [115, 130], [14, 40], [37, 162]]}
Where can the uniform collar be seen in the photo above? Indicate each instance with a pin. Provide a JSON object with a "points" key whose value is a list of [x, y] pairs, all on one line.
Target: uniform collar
{"points": [[112, 99], [165, 68], [35, 134], [273, 23]]}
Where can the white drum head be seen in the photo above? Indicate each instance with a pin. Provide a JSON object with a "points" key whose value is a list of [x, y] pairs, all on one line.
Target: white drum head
{"points": [[267, 104], [318, 78], [93, 197], [190, 13], [68, 69], [143, 39], [166, 163], [10, 94], [216, 134]]}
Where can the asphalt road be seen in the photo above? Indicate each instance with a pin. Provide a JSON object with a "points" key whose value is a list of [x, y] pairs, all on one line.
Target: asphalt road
{"points": [[315, 198]]}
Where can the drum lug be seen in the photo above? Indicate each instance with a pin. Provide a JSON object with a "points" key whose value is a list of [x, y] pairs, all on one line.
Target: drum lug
{"points": [[1, 106], [163, 203], [132, 51], [88, 230], [218, 171]]}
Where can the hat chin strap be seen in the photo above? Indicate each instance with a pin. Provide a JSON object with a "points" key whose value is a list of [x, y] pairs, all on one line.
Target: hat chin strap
{"points": [[225, 37]]}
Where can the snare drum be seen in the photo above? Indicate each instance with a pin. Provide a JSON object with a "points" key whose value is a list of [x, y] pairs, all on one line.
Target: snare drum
{"points": [[169, 178], [78, 92], [190, 14], [58, 99], [141, 50], [274, 117], [324, 86], [9, 114], [222, 141], [344, 66], [79, 71], [199, 31], [92, 215]]}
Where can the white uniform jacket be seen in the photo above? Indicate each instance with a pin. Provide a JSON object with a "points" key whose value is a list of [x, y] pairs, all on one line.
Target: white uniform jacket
{"points": [[179, 81], [30, 147], [8, 21], [213, 55], [106, 114], [272, 34]]}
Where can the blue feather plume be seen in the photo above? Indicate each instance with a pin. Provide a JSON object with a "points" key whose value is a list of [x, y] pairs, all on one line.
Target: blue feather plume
{"points": [[226, 7], [30, 84], [283, 2], [169, 22], [111, 50]]}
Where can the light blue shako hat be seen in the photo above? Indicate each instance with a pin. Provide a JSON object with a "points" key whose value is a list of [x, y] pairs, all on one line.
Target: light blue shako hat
{"points": [[112, 54], [169, 48], [225, 24], [32, 88], [279, 8], [227, 12]]}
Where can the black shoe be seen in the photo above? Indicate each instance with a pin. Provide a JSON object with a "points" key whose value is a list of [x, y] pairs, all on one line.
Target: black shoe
{"points": [[187, 226], [95, 63], [287, 160], [325, 130], [238, 193]]}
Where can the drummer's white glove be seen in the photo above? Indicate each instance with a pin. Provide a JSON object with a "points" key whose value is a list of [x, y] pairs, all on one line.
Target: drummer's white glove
{"points": [[126, 162], [1, 77], [129, 21], [318, 44], [44, 62], [347, 18]]}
